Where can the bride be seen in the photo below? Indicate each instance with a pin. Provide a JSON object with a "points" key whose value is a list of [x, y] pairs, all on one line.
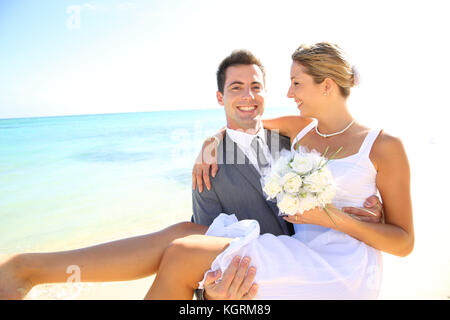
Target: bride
{"points": [[322, 260]]}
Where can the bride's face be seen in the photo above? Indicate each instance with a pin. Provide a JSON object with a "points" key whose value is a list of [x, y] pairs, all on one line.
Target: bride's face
{"points": [[306, 93]]}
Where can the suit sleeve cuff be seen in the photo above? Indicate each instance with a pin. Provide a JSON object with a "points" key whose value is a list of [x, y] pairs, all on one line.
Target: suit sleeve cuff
{"points": [[200, 294]]}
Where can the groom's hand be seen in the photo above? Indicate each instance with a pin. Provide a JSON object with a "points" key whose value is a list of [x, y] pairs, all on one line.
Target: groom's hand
{"points": [[236, 283], [372, 211]]}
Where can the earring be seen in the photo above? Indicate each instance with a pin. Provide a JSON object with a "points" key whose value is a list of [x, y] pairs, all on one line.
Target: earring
{"points": [[324, 93]]}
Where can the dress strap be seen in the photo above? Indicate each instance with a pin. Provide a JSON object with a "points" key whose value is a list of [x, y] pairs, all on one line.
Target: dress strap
{"points": [[303, 132], [367, 144]]}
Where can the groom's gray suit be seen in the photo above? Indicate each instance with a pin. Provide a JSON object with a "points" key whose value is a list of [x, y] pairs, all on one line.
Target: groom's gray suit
{"points": [[236, 189]]}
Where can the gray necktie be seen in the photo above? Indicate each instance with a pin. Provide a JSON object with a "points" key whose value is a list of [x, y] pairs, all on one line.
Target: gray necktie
{"points": [[257, 148]]}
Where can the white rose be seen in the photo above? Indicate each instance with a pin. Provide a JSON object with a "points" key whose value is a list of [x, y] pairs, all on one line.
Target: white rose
{"points": [[302, 163], [315, 159], [289, 204], [281, 166], [327, 195], [272, 186], [327, 173], [318, 180], [291, 182], [307, 203]]}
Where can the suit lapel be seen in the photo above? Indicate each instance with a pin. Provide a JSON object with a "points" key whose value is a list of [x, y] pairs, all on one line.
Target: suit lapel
{"points": [[250, 173], [232, 154]]}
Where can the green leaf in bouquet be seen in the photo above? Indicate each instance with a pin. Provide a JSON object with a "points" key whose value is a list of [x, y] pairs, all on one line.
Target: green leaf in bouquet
{"points": [[334, 155], [323, 156], [329, 215]]}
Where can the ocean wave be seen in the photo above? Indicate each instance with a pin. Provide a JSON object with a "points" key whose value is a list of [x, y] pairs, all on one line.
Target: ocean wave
{"points": [[115, 156]]}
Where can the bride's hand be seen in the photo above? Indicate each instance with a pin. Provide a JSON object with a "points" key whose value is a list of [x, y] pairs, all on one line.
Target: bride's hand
{"points": [[315, 216], [206, 159]]}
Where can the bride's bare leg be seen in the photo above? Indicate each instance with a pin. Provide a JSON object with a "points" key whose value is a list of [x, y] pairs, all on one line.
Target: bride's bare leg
{"points": [[126, 259], [183, 265]]}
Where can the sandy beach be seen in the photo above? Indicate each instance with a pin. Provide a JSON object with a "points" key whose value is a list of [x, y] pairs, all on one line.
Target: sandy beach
{"points": [[122, 290], [421, 275]]}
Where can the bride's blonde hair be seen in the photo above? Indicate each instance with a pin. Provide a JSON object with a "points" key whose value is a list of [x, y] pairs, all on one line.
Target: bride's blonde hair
{"points": [[325, 60]]}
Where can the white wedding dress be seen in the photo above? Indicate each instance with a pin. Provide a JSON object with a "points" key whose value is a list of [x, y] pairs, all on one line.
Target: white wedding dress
{"points": [[316, 262]]}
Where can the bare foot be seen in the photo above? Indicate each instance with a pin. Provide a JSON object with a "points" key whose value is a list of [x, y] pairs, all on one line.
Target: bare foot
{"points": [[13, 284]]}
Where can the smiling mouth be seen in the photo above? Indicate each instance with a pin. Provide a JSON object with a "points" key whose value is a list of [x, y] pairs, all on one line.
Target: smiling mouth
{"points": [[299, 103], [247, 108]]}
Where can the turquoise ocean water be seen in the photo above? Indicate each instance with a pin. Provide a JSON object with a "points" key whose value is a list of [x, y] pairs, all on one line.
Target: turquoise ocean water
{"points": [[69, 178]]}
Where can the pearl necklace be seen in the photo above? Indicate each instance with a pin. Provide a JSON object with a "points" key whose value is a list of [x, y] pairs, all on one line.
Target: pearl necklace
{"points": [[324, 135]]}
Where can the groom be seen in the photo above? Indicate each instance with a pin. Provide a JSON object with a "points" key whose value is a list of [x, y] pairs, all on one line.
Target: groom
{"points": [[243, 157]]}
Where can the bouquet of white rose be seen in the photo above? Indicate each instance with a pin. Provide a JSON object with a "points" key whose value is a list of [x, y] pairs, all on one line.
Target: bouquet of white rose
{"points": [[300, 181]]}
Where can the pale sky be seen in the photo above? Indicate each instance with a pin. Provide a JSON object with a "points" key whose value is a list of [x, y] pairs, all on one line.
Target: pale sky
{"points": [[99, 56]]}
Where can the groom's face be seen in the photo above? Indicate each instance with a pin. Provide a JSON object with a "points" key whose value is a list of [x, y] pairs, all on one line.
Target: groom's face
{"points": [[243, 96]]}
